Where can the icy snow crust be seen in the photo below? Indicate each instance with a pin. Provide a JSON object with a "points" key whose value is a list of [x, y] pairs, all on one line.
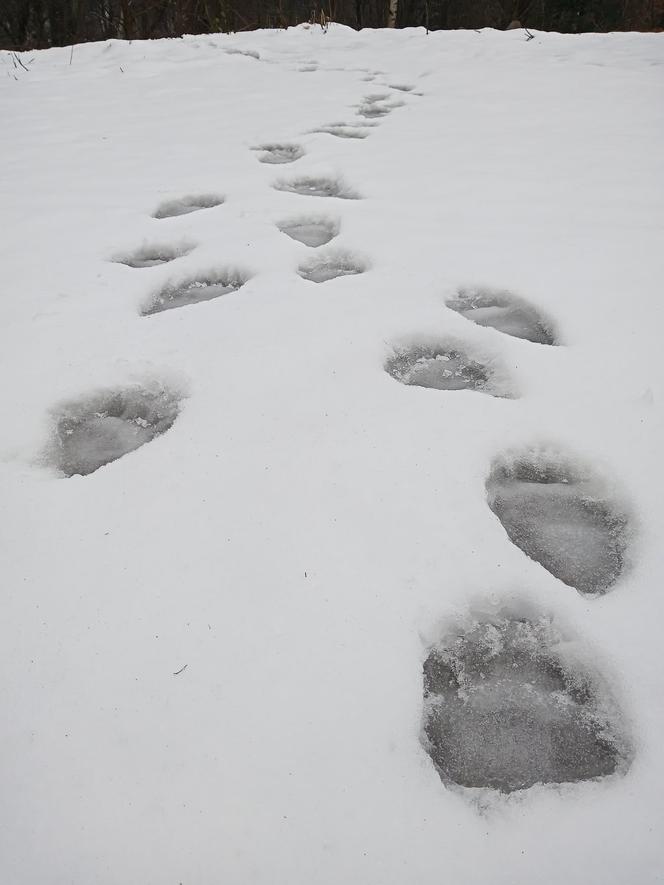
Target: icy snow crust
{"points": [[269, 615]]}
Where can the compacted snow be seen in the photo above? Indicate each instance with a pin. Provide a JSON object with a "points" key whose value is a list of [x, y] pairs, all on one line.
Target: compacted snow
{"points": [[331, 460]]}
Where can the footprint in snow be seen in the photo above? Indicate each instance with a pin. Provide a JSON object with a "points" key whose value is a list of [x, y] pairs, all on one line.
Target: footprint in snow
{"points": [[375, 97], [446, 366], [501, 310], [311, 230], [151, 256], [374, 106], [312, 186], [333, 264], [204, 287], [345, 130], [185, 205], [94, 431], [249, 53], [371, 111], [279, 153], [505, 708], [561, 515]]}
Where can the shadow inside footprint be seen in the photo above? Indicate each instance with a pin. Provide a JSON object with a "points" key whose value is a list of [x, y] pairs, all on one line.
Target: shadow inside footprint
{"points": [[279, 153], [310, 231], [558, 515], [505, 312], [504, 711], [193, 291], [334, 264], [185, 205], [102, 428], [442, 367], [310, 186], [151, 256]]}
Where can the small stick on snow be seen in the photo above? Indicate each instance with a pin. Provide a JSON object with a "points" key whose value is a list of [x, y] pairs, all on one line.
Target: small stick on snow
{"points": [[17, 59], [181, 670]]}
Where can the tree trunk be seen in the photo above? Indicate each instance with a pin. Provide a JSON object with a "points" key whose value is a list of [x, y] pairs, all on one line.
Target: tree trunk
{"points": [[392, 13]]}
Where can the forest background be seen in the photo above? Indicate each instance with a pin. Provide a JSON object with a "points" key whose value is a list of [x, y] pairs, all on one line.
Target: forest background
{"points": [[34, 24]]}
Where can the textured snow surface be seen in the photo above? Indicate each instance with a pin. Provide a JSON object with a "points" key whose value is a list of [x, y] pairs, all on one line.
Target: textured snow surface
{"points": [[269, 616]]}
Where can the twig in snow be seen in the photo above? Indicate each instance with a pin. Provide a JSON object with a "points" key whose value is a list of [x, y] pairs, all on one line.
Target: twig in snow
{"points": [[529, 36], [17, 59], [181, 670], [71, 54]]}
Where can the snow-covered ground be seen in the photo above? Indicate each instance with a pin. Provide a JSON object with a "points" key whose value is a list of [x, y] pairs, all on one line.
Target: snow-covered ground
{"points": [[307, 528]]}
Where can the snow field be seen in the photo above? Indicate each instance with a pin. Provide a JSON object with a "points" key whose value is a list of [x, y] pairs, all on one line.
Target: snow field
{"points": [[302, 531]]}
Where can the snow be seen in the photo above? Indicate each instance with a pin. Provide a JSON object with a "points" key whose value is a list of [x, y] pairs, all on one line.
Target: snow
{"points": [[308, 528]]}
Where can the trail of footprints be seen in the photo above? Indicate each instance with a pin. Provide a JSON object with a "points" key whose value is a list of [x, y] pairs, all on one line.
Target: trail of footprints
{"points": [[97, 430], [505, 705]]}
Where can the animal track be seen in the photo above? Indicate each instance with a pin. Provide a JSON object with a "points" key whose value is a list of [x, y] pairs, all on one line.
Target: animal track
{"points": [[375, 97], [504, 709], [375, 106], [344, 130], [505, 312], [443, 367], [193, 291], [150, 256], [94, 431], [370, 111], [310, 230], [560, 516], [249, 53], [401, 87], [311, 186], [185, 205], [279, 153], [334, 264]]}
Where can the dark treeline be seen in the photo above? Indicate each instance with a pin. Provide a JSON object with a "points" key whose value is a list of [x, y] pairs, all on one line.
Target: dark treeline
{"points": [[27, 24]]}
